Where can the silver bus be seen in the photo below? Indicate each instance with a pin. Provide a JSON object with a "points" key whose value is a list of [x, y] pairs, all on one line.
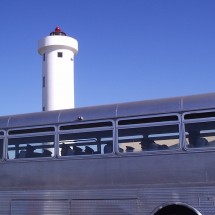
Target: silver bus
{"points": [[154, 157]]}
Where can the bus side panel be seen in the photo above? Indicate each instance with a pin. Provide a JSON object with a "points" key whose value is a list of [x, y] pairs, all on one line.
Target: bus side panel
{"points": [[141, 201]]}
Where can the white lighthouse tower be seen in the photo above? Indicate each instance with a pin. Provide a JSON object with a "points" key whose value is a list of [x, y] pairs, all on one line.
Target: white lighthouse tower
{"points": [[58, 51]]}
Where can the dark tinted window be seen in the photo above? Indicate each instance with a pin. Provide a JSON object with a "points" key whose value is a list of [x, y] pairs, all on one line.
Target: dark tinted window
{"points": [[31, 130], [199, 115], [84, 126], [148, 120]]}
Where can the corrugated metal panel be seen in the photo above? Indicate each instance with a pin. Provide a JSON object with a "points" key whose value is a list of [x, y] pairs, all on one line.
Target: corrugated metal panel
{"points": [[102, 207], [40, 207], [140, 201], [200, 198]]}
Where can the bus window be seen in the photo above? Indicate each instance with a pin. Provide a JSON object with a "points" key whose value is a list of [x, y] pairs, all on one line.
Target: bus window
{"points": [[1, 148], [151, 138], [200, 134], [31, 147], [85, 143]]}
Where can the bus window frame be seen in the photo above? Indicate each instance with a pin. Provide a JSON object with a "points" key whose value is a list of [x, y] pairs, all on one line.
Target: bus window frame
{"points": [[85, 130], [194, 121], [33, 134], [3, 138], [139, 125]]}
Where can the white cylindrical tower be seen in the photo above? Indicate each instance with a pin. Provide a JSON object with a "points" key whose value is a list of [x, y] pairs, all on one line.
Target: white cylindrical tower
{"points": [[58, 52]]}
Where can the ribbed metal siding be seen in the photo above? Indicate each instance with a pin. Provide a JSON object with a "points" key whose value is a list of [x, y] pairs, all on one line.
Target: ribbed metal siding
{"points": [[141, 201], [102, 207], [200, 198], [40, 207]]}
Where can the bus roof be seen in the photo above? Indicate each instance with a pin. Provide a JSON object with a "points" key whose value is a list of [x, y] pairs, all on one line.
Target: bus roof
{"points": [[147, 107]]}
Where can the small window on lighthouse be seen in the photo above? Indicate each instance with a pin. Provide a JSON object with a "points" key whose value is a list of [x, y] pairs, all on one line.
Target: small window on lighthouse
{"points": [[44, 81], [60, 54], [44, 57]]}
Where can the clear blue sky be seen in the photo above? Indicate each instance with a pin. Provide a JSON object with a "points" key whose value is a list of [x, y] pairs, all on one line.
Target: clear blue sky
{"points": [[129, 50]]}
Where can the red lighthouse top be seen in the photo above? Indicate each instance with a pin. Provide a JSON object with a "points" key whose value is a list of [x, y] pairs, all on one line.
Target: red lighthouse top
{"points": [[57, 32]]}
